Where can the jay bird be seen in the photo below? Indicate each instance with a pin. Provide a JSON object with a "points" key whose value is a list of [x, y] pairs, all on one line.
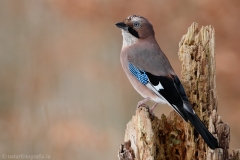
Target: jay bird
{"points": [[151, 74]]}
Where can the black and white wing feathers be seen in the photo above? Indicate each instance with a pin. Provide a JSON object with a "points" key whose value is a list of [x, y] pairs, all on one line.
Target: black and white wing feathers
{"points": [[174, 93], [169, 91]]}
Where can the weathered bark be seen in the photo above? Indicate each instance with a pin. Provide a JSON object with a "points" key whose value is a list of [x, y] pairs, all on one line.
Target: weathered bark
{"points": [[171, 138]]}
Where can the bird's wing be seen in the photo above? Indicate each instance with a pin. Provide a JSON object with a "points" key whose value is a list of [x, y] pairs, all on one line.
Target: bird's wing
{"points": [[166, 87]]}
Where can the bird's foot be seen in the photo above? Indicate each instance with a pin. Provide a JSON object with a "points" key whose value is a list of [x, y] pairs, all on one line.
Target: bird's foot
{"points": [[142, 102]]}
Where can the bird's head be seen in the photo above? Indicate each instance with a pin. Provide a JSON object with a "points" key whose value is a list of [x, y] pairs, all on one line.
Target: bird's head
{"points": [[138, 26]]}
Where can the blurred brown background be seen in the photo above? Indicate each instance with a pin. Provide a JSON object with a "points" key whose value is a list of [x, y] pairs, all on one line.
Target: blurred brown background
{"points": [[62, 88]]}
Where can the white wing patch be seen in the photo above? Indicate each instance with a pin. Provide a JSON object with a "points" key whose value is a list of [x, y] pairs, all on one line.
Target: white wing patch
{"points": [[158, 87], [150, 86]]}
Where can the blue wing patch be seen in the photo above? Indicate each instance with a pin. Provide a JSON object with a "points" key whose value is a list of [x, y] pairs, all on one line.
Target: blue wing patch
{"points": [[138, 73]]}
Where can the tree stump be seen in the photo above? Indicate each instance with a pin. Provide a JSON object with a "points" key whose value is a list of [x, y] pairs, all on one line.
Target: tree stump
{"points": [[171, 138]]}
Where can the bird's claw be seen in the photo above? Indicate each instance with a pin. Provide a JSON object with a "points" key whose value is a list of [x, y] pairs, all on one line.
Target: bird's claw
{"points": [[142, 104]]}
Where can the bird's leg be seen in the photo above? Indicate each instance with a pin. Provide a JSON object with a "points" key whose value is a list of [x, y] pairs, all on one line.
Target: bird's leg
{"points": [[142, 102], [153, 107]]}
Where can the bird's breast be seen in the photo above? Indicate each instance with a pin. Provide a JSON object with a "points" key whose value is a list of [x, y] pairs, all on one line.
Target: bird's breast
{"points": [[143, 90]]}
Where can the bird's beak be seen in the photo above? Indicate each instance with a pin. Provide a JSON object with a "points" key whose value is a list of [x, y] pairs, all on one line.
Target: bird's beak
{"points": [[121, 25]]}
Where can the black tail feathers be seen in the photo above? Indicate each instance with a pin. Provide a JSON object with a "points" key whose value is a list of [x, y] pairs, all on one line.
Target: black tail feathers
{"points": [[202, 130]]}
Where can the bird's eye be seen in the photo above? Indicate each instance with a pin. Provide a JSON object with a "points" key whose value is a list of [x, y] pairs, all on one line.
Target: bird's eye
{"points": [[136, 24]]}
